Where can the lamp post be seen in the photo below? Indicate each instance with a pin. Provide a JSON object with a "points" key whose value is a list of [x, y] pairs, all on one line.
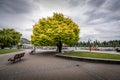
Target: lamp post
{"points": [[89, 44]]}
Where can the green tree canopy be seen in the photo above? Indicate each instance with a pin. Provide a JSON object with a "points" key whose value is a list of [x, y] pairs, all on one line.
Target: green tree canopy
{"points": [[9, 38], [55, 30]]}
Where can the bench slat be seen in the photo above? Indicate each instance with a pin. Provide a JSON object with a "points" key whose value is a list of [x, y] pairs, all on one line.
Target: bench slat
{"points": [[16, 57]]}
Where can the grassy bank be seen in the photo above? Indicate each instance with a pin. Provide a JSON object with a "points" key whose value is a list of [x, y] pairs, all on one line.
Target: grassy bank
{"points": [[94, 55], [4, 51]]}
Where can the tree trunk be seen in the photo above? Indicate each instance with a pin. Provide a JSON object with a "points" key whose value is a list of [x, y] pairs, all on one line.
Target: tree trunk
{"points": [[10, 47], [34, 49], [2, 47], [59, 46]]}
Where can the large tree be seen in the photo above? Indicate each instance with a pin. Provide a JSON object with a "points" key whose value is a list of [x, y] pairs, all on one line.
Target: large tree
{"points": [[9, 38], [55, 30]]}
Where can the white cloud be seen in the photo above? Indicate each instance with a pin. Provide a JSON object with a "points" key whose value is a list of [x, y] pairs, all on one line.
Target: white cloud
{"points": [[95, 21]]}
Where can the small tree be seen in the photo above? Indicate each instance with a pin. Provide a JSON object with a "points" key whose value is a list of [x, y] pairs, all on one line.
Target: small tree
{"points": [[9, 38], [55, 30]]}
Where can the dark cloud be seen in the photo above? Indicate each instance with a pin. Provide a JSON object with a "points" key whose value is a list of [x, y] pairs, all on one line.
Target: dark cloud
{"points": [[107, 10], [113, 5], [113, 17], [75, 3], [105, 17], [15, 6], [96, 3], [93, 15]]}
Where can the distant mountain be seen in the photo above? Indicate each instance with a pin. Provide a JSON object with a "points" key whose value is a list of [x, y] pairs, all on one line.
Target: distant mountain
{"points": [[24, 41]]}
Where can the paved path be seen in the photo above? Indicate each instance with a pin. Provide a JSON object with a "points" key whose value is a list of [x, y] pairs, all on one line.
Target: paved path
{"points": [[45, 66]]}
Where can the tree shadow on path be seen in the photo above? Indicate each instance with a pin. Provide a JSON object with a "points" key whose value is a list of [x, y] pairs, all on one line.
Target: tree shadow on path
{"points": [[46, 53]]}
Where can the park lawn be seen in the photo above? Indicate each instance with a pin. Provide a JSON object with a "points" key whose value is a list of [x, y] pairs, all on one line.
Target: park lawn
{"points": [[4, 51], [94, 55]]}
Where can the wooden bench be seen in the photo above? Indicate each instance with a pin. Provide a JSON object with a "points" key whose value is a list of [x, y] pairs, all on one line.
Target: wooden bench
{"points": [[16, 57]]}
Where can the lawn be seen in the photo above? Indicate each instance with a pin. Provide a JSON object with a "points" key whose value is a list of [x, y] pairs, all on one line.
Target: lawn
{"points": [[94, 55], [4, 51]]}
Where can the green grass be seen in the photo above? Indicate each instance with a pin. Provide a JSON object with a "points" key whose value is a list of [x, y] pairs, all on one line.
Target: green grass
{"points": [[4, 51], [94, 55]]}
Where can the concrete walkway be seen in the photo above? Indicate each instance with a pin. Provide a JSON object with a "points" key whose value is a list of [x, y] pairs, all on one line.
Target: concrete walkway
{"points": [[45, 66]]}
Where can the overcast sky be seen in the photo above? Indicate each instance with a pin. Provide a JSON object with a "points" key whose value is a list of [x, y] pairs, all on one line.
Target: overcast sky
{"points": [[97, 19]]}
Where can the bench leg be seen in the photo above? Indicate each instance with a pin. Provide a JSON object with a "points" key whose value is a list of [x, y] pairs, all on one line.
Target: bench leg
{"points": [[13, 61], [19, 58]]}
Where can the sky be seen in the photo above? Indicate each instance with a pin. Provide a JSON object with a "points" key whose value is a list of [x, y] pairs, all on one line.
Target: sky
{"points": [[97, 19]]}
